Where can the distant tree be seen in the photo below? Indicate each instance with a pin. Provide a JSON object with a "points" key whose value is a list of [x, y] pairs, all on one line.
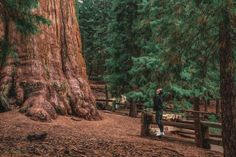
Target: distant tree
{"points": [[121, 46], [94, 18]]}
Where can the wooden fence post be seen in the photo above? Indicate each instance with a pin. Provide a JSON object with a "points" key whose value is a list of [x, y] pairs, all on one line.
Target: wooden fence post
{"points": [[133, 111], [204, 135], [106, 91], [218, 107], [201, 132], [197, 123], [145, 123]]}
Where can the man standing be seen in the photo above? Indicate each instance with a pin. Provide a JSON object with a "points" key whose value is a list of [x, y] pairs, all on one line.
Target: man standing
{"points": [[158, 107]]}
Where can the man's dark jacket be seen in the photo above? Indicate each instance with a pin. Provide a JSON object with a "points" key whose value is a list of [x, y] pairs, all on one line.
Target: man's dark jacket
{"points": [[158, 103]]}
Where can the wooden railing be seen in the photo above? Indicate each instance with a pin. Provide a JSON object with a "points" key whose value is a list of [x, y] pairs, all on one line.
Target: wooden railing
{"points": [[197, 130]]}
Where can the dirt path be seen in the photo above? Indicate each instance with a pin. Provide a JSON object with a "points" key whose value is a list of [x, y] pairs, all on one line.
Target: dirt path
{"points": [[114, 136]]}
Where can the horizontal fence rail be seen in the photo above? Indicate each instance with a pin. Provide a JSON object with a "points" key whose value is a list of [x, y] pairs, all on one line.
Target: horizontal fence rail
{"points": [[196, 129]]}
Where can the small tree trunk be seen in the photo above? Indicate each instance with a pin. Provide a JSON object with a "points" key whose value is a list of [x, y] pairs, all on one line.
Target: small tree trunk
{"points": [[145, 123], [49, 75]]}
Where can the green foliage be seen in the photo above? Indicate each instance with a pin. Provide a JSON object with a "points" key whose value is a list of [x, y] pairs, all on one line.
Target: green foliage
{"points": [[121, 47], [93, 16], [213, 118], [20, 12], [179, 49], [155, 43], [5, 50]]}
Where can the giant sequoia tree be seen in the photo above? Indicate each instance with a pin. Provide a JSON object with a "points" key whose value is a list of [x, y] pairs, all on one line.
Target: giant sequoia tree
{"points": [[48, 77]]}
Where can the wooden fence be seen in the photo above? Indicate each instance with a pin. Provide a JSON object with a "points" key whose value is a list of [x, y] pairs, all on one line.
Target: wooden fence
{"points": [[196, 129]]}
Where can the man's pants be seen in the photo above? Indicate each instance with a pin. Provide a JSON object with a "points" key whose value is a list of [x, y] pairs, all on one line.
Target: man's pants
{"points": [[159, 115]]}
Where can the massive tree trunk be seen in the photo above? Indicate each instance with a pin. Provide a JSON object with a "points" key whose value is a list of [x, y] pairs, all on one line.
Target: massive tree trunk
{"points": [[49, 75], [228, 103]]}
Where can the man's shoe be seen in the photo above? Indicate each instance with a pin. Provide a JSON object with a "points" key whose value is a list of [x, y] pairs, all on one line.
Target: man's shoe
{"points": [[158, 134]]}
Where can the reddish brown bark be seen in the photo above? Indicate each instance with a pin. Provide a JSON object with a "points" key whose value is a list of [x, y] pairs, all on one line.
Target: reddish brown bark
{"points": [[49, 75], [227, 87]]}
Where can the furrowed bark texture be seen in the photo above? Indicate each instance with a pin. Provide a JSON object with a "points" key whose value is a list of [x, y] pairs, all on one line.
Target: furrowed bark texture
{"points": [[227, 89], [49, 75]]}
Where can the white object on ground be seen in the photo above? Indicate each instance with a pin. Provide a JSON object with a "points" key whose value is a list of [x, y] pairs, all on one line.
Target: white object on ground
{"points": [[160, 134]]}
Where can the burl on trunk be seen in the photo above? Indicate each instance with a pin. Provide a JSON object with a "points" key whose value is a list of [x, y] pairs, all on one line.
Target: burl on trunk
{"points": [[49, 75]]}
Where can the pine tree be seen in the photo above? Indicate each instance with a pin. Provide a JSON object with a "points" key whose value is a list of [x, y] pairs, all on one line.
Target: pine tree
{"points": [[121, 46], [227, 86], [94, 18]]}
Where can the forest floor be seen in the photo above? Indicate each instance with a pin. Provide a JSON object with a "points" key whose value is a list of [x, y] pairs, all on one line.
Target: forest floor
{"points": [[114, 136]]}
